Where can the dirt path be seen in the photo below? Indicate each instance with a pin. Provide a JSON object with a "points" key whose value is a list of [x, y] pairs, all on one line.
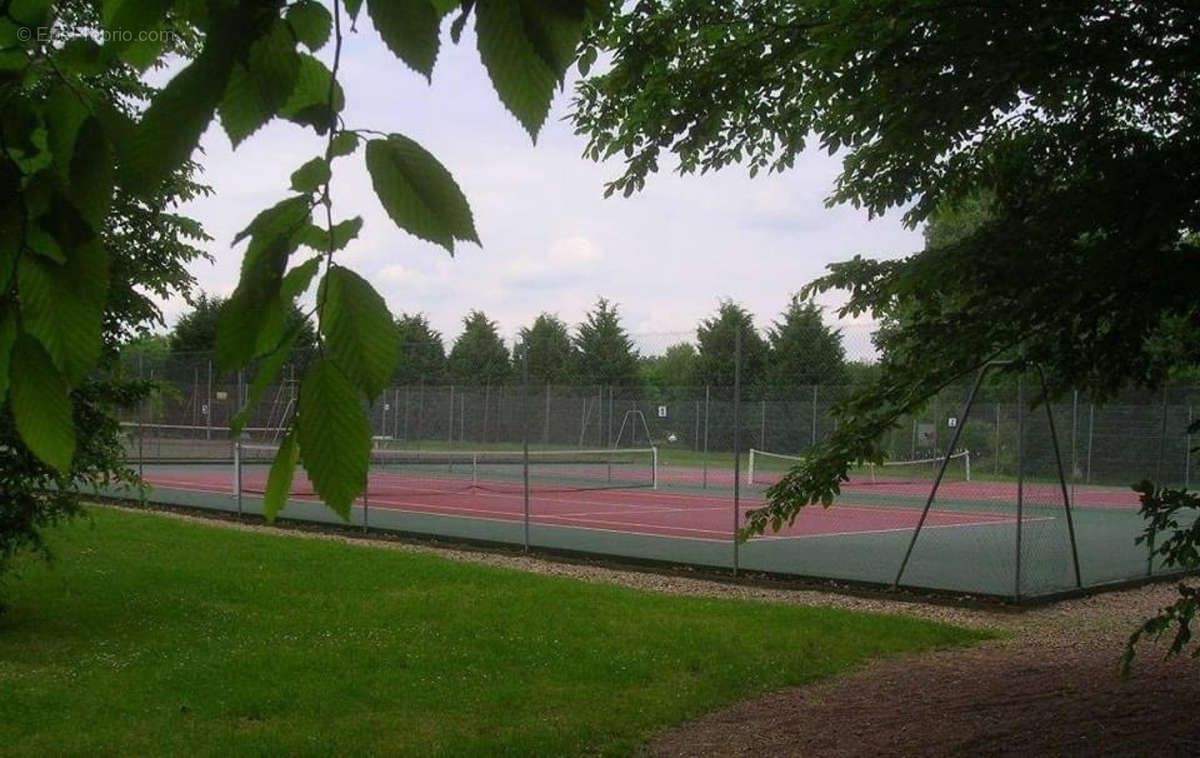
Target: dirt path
{"points": [[1051, 689]]}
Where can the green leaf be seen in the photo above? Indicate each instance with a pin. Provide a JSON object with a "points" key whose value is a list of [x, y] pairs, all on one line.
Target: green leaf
{"points": [[298, 280], [43, 243], [279, 478], [133, 15], [92, 173], [41, 405], [8, 336], [142, 53], [358, 329], [526, 46], [63, 114], [258, 88], [280, 219], [253, 319], [410, 30], [311, 23], [352, 7], [82, 56], [311, 175], [62, 305], [264, 377], [343, 231], [172, 125], [418, 192], [334, 434], [309, 104], [344, 143]]}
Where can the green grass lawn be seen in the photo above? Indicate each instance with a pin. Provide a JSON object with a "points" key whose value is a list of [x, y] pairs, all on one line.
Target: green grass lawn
{"points": [[151, 636]]}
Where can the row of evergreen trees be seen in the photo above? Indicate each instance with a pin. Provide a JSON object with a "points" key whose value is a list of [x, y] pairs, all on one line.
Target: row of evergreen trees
{"points": [[798, 349]]}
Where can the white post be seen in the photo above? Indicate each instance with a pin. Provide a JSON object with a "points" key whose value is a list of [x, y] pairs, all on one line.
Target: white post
{"points": [[750, 468], [967, 459]]}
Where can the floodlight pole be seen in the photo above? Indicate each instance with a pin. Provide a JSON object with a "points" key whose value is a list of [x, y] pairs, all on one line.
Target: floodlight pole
{"points": [[942, 469]]}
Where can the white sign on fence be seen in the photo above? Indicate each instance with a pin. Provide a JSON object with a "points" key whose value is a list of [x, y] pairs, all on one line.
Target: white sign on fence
{"points": [[662, 411]]}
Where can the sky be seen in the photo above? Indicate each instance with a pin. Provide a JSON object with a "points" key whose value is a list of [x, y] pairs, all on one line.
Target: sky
{"points": [[551, 241]]}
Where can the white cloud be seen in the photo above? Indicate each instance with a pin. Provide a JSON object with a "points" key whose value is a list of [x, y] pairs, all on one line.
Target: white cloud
{"points": [[551, 241]]}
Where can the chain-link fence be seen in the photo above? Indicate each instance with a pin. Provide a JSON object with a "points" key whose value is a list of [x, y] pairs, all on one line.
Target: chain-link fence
{"points": [[647, 472]]}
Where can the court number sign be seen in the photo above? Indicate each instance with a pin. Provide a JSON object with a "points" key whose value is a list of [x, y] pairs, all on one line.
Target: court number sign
{"points": [[662, 411]]}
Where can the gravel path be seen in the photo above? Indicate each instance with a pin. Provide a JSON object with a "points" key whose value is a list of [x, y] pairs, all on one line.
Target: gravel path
{"points": [[1049, 687]]}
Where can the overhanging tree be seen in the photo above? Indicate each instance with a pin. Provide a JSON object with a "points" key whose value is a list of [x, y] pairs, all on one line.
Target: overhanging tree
{"points": [[70, 150], [1079, 121], [79, 263]]}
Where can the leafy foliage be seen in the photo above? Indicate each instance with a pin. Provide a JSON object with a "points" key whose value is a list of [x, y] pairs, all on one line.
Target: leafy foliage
{"points": [[478, 356], [422, 354], [673, 371], [195, 331], [91, 157], [82, 258], [1054, 146], [716, 338], [802, 349], [552, 356], [606, 353], [1175, 513]]}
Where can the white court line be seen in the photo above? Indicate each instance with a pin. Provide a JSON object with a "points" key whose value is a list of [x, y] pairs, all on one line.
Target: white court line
{"points": [[721, 536]]}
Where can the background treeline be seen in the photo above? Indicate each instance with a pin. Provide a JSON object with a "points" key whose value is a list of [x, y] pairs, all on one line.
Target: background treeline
{"points": [[796, 349]]}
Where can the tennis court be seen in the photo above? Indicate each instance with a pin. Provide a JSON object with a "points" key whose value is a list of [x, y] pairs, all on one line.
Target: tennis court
{"points": [[627, 503]]}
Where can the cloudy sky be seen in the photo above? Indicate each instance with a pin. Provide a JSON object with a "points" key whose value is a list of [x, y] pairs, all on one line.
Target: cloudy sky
{"points": [[551, 241]]}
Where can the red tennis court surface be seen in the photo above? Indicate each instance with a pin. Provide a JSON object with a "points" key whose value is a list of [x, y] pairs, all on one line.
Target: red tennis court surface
{"points": [[636, 511]]}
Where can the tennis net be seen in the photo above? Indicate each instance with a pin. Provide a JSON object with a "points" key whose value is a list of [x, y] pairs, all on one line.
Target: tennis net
{"points": [[394, 472], [184, 443], [766, 468]]}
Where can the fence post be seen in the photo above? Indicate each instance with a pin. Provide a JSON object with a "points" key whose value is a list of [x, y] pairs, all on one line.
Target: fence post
{"points": [[762, 424], [208, 414], [737, 441], [1020, 481], [142, 434], [487, 401], [1187, 455], [696, 428], [525, 439], [1074, 441], [996, 464], [1158, 480], [546, 424], [237, 473], [450, 423], [610, 415], [1091, 430], [704, 469], [814, 415]]}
